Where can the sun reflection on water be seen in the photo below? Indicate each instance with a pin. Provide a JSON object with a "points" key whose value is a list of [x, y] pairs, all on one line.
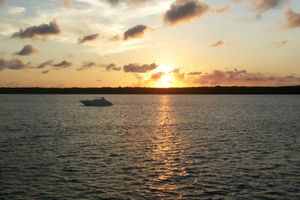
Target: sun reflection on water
{"points": [[167, 151]]}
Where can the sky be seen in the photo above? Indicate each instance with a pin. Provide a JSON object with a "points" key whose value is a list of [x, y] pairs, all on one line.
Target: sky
{"points": [[149, 43]]}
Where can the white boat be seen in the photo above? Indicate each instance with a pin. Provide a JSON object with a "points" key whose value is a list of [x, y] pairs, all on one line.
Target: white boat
{"points": [[96, 102]]}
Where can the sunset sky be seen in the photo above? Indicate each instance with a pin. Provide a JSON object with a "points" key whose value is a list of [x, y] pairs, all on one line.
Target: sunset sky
{"points": [[152, 43]]}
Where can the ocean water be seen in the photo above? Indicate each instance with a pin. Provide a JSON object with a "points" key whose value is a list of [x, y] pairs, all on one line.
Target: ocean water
{"points": [[150, 147]]}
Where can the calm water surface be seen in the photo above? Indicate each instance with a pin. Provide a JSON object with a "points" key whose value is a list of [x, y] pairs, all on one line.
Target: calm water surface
{"points": [[150, 147]]}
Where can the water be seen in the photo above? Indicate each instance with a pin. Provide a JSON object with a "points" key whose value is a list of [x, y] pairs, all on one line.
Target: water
{"points": [[150, 147]]}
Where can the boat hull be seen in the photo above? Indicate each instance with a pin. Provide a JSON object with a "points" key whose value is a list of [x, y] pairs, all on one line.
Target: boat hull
{"points": [[96, 103]]}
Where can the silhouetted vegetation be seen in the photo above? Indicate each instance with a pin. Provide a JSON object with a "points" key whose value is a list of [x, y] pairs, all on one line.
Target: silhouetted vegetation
{"points": [[139, 90]]}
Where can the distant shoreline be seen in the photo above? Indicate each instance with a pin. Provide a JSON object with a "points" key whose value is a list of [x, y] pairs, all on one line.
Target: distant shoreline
{"points": [[139, 90]]}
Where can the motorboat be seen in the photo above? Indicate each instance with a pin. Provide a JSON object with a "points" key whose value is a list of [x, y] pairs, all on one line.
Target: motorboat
{"points": [[97, 102]]}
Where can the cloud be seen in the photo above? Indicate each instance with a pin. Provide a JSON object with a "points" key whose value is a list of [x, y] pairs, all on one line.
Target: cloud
{"points": [[63, 64], [184, 10], [88, 38], [156, 76], [135, 68], [279, 44], [45, 64], [42, 30], [112, 67], [26, 51], [45, 71], [242, 78], [194, 73], [87, 65], [116, 38], [135, 32], [219, 43], [14, 64], [263, 5], [49, 63], [292, 19]]}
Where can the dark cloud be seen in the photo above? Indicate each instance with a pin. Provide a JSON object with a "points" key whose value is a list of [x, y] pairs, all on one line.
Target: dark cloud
{"points": [[14, 64], [194, 73], [88, 38], [49, 63], [3, 1], [112, 67], [279, 44], [26, 51], [184, 10], [292, 19], [135, 68], [243, 78], [87, 65], [42, 30], [45, 71], [219, 43], [63, 64], [45, 64], [263, 5], [135, 32]]}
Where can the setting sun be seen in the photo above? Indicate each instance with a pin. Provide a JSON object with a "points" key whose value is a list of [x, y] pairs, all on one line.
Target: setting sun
{"points": [[165, 77], [166, 80]]}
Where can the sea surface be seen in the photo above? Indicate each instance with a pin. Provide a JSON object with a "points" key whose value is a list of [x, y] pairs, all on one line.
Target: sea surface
{"points": [[150, 147]]}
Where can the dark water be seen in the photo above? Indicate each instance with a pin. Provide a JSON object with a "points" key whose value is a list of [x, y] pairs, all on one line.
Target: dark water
{"points": [[150, 147]]}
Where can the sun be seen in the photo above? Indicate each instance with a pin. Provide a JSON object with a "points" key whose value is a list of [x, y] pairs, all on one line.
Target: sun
{"points": [[167, 79]]}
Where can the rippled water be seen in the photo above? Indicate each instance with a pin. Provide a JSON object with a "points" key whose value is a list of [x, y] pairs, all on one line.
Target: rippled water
{"points": [[150, 147]]}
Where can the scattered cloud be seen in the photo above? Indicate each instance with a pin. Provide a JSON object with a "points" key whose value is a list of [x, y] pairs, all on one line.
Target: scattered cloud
{"points": [[219, 43], [135, 32], [112, 67], [263, 5], [50, 63], [88, 38], [292, 19], [116, 38], [63, 64], [194, 73], [87, 65], [45, 64], [156, 76], [184, 10], [42, 31], [14, 64], [45, 71], [242, 78], [136, 68], [279, 44], [26, 51]]}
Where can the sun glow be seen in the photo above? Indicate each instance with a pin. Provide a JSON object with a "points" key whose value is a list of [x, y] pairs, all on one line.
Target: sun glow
{"points": [[167, 79]]}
